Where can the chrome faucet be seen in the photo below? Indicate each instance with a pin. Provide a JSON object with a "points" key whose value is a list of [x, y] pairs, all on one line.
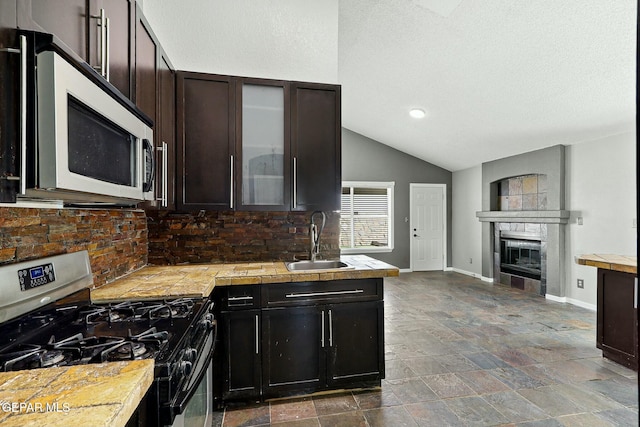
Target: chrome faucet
{"points": [[314, 235]]}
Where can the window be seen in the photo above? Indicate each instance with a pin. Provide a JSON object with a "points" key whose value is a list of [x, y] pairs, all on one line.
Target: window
{"points": [[366, 217]]}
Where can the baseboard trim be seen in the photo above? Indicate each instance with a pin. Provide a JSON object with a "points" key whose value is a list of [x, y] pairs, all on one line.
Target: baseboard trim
{"points": [[406, 270], [572, 301]]}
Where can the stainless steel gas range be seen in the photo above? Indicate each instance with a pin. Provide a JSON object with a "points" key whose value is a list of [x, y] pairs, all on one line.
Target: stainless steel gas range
{"points": [[48, 320]]}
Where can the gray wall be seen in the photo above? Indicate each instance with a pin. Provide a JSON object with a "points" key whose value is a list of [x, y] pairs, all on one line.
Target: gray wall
{"points": [[364, 159]]}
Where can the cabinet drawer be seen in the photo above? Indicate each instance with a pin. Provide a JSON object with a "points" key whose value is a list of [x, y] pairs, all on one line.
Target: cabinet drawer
{"points": [[301, 293], [240, 297]]}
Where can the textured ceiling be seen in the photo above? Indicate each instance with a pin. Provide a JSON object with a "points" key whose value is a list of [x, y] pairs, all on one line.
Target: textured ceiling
{"points": [[496, 77]]}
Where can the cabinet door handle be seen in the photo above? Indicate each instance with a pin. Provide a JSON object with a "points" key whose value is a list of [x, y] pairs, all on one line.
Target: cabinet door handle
{"points": [[635, 293], [322, 294], [322, 337], [257, 335], [295, 182], [330, 330], [102, 23], [164, 184], [22, 50], [231, 187], [107, 59]]}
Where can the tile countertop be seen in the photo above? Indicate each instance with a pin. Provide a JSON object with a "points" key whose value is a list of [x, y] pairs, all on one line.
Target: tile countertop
{"points": [[104, 394], [198, 280], [625, 264]]}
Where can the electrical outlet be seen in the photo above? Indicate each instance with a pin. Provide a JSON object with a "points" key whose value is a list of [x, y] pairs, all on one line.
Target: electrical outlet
{"points": [[581, 283], [580, 221], [470, 260], [634, 224]]}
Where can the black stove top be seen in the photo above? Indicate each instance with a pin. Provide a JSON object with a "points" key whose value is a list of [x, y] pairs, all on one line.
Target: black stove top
{"points": [[93, 333]]}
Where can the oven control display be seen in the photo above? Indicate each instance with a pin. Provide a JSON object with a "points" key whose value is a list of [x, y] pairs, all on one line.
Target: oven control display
{"points": [[33, 277]]}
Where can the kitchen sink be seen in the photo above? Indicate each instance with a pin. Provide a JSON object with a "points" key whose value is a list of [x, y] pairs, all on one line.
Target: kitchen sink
{"points": [[317, 265]]}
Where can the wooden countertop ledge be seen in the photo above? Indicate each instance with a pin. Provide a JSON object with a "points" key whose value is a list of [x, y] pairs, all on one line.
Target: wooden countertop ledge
{"points": [[104, 394], [622, 263], [198, 280]]}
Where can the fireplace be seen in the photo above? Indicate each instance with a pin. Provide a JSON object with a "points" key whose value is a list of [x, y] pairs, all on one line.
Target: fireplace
{"points": [[523, 193], [520, 254]]}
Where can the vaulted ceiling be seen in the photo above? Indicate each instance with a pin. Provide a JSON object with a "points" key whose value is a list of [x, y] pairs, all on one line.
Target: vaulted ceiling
{"points": [[495, 77]]}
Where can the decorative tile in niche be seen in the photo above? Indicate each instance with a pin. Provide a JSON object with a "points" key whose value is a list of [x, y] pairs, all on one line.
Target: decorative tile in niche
{"points": [[515, 203], [504, 203], [503, 187], [530, 184], [515, 186], [529, 202]]}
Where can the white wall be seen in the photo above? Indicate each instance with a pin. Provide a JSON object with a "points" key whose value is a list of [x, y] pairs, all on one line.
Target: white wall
{"points": [[467, 230], [279, 39], [600, 188]]}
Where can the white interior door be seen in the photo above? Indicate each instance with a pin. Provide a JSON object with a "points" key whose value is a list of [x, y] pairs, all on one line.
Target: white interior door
{"points": [[428, 226]]}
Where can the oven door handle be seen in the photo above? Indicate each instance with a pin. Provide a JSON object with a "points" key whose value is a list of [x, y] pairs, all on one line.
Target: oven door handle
{"points": [[183, 397]]}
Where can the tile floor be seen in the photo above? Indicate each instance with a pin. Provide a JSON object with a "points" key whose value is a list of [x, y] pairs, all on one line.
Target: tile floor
{"points": [[461, 352]]}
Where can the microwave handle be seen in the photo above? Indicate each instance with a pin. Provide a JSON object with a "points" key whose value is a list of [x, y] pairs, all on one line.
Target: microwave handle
{"points": [[22, 50], [148, 153]]}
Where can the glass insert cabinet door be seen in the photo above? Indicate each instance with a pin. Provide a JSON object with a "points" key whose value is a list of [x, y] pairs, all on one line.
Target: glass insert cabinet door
{"points": [[263, 145]]}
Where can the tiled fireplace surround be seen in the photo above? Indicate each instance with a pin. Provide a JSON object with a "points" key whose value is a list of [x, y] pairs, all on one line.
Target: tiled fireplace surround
{"points": [[525, 193]]}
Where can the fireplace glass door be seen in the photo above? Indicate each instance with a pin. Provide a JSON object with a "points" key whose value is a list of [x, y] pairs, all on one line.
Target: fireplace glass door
{"points": [[520, 257]]}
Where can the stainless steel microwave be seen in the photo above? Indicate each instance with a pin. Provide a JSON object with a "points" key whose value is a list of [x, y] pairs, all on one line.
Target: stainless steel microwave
{"points": [[89, 147]]}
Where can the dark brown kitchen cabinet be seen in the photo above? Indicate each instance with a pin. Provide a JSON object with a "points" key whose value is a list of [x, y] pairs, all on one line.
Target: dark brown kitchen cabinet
{"points": [[205, 141], [294, 341], [287, 152], [146, 67], [617, 317], [240, 323], [241, 342], [262, 145], [311, 336], [316, 146], [165, 138], [314, 348], [79, 25], [356, 343]]}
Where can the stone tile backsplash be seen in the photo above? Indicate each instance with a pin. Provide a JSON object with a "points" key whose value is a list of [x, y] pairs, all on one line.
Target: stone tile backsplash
{"points": [[523, 193], [236, 236], [115, 239]]}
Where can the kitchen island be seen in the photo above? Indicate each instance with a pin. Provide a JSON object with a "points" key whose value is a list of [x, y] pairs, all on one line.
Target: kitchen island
{"points": [[105, 394], [617, 319]]}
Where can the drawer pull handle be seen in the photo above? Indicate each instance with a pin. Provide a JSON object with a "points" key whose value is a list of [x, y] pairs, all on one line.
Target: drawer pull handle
{"points": [[249, 298], [323, 294]]}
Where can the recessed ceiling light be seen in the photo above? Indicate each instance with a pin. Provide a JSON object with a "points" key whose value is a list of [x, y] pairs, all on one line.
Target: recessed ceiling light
{"points": [[417, 113]]}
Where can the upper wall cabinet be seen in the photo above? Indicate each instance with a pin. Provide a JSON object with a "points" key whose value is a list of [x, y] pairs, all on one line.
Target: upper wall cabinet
{"points": [[262, 144], [286, 154], [205, 141], [316, 146], [98, 31]]}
